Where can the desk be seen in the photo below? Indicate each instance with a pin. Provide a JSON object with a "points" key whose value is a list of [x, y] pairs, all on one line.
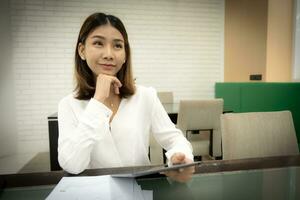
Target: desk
{"points": [[262, 178], [171, 108]]}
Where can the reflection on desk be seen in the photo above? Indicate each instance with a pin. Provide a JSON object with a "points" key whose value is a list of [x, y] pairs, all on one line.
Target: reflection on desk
{"points": [[262, 178]]}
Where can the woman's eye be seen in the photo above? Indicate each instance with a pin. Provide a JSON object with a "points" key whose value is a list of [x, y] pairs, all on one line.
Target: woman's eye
{"points": [[97, 43], [118, 46]]}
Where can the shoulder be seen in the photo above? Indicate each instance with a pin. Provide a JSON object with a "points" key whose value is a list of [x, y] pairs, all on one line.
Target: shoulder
{"points": [[70, 101], [146, 91], [66, 100], [144, 99], [144, 96], [70, 106]]}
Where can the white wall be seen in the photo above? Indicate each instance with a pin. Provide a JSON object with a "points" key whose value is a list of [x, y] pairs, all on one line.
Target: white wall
{"points": [[296, 61], [176, 45], [8, 135]]}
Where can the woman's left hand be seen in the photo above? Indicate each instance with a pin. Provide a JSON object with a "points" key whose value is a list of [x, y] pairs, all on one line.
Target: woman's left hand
{"points": [[183, 174]]}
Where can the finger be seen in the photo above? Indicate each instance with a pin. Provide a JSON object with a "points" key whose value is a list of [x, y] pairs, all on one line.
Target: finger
{"points": [[117, 81], [190, 170], [171, 173], [178, 158], [180, 177], [181, 170], [116, 88]]}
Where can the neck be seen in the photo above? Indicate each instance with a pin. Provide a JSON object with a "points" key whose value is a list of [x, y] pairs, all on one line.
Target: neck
{"points": [[113, 97], [113, 100]]}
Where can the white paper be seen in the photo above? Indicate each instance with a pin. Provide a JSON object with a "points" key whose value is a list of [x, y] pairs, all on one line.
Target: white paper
{"points": [[98, 187], [92, 187], [137, 192], [122, 188], [147, 194]]}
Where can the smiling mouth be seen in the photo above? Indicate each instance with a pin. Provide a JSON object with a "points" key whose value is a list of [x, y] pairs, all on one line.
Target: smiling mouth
{"points": [[107, 66]]}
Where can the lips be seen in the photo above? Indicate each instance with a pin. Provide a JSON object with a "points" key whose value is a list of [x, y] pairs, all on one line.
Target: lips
{"points": [[107, 66]]}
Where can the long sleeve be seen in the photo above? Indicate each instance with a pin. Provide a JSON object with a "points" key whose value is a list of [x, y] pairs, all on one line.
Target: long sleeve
{"points": [[166, 134], [78, 135]]}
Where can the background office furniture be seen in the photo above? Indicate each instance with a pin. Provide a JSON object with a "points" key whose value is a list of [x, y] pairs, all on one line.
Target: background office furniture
{"points": [[261, 97], [258, 134], [39, 163], [156, 153], [195, 116], [165, 97], [53, 141]]}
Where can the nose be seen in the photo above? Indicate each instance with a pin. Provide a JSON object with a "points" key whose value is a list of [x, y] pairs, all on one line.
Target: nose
{"points": [[108, 53]]}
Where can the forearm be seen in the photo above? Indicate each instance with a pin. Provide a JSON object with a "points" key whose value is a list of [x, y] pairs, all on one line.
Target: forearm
{"points": [[74, 152], [167, 135], [78, 134], [173, 142]]}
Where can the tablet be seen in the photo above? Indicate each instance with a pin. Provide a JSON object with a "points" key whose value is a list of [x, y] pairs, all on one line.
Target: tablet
{"points": [[155, 170]]}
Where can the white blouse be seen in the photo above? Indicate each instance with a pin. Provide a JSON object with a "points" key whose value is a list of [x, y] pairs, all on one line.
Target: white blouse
{"points": [[88, 140]]}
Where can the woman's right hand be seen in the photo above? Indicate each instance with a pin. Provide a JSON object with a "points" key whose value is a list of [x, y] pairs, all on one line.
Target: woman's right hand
{"points": [[104, 84], [182, 175]]}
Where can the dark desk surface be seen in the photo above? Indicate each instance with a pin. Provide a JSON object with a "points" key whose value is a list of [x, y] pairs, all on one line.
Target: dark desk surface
{"points": [[261, 178]]}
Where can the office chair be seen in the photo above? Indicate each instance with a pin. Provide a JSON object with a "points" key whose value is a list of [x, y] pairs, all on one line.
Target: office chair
{"points": [[198, 117], [258, 134]]}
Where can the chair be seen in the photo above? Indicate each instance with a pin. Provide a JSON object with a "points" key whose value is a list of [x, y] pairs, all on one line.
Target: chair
{"points": [[258, 134], [199, 120], [165, 97], [156, 153]]}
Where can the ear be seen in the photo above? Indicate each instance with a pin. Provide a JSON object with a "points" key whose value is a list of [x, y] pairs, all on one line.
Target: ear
{"points": [[81, 51]]}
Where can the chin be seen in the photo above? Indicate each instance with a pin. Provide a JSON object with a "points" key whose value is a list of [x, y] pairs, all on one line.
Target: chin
{"points": [[108, 73]]}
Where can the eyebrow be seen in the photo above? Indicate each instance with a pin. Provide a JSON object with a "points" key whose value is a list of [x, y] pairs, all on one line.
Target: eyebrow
{"points": [[103, 38]]}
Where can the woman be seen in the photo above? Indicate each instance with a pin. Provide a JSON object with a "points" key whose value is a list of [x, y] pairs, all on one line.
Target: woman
{"points": [[106, 122]]}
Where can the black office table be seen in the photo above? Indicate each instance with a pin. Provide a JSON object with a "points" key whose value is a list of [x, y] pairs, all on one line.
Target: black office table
{"points": [[257, 178]]}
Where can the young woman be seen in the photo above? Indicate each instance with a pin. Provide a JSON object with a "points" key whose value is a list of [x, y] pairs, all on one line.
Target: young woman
{"points": [[106, 122]]}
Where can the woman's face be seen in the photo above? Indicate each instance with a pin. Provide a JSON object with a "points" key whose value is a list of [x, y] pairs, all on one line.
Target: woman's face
{"points": [[104, 50]]}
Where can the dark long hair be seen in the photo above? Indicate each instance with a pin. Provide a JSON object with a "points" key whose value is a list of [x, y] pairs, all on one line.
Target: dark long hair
{"points": [[85, 82]]}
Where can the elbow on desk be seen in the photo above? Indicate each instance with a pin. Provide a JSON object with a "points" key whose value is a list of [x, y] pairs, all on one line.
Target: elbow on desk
{"points": [[72, 167]]}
